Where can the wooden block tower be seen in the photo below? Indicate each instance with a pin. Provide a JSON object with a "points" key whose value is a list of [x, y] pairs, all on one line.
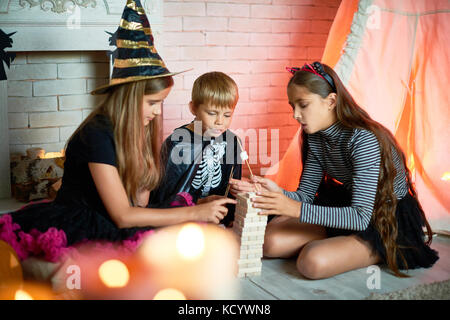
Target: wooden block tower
{"points": [[249, 228]]}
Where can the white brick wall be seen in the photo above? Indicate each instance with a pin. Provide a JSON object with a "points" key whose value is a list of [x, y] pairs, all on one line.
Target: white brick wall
{"points": [[48, 96], [252, 41]]}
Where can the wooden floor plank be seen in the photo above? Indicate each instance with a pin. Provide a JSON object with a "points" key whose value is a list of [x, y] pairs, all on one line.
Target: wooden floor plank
{"points": [[280, 280], [251, 291]]}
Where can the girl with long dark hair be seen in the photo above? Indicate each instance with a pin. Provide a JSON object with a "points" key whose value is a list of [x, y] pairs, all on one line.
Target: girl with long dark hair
{"points": [[356, 204]]}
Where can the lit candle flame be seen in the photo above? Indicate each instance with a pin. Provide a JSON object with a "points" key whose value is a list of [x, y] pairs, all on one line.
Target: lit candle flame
{"points": [[190, 241], [169, 294], [114, 273], [22, 295], [446, 176]]}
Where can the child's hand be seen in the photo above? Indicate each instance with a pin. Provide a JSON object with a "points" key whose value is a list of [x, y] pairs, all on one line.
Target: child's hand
{"points": [[212, 211], [209, 199], [276, 204], [238, 186], [267, 184]]}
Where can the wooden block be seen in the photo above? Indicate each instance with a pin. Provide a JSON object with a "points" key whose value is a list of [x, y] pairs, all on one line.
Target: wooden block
{"points": [[243, 212], [245, 195], [249, 261], [250, 254], [28, 170], [252, 224], [250, 219], [247, 205], [15, 156], [247, 266], [250, 246], [253, 242], [248, 270], [35, 153], [245, 239], [250, 274], [53, 190], [248, 231], [252, 237], [40, 190]]}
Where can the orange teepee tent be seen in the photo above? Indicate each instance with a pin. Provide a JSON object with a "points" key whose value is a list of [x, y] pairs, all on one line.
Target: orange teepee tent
{"points": [[393, 56]]}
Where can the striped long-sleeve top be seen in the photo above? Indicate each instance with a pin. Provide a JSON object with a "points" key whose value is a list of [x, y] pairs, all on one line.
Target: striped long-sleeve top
{"points": [[351, 156]]}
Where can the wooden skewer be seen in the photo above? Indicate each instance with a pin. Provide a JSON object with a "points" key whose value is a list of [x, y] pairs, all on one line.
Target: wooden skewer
{"points": [[248, 165], [246, 161], [228, 186]]}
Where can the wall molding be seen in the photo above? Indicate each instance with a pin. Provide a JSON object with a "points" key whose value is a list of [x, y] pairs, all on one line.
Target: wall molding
{"points": [[58, 6], [68, 25]]}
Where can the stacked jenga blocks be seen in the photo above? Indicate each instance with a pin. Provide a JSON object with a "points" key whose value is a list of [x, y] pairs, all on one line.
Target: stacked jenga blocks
{"points": [[249, 228]]}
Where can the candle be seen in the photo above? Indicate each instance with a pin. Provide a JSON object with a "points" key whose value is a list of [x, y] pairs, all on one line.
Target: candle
{"points": [[198, 260]]}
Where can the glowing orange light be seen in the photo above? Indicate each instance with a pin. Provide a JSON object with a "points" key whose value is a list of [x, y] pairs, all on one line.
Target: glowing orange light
{"points": [[446, 176], [169, 294], [412, 166], [114, 273], [190, 241], [22, 295], [49, 155]]}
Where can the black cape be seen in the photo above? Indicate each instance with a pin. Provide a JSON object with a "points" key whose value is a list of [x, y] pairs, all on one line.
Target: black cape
{"points": [[197, 165]]}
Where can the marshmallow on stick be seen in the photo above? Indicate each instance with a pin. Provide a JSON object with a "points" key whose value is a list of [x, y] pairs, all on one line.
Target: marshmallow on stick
{"points": [[244, 157]]}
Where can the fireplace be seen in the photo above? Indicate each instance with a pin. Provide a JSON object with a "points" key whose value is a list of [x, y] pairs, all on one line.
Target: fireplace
{"points": [[61, 55]]}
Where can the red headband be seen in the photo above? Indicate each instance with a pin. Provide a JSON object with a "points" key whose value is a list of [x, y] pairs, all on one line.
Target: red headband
{"points": [[317, 69]]}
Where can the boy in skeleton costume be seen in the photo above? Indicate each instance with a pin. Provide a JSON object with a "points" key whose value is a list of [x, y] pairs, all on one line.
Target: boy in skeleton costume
{"points": [[200, 157]]}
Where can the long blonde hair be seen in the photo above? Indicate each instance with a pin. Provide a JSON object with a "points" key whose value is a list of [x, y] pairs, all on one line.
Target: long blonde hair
{"points": [[137, 146], [351, 115]]}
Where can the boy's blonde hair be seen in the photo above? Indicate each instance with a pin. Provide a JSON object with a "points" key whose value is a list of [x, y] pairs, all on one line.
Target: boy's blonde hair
{"points": [[215, 88]]}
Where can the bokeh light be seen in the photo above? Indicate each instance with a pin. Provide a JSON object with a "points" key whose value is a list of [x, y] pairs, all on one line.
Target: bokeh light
{"points": [[114, 273], [190, 241], [446, 176], [169, 294], [22, 295]]}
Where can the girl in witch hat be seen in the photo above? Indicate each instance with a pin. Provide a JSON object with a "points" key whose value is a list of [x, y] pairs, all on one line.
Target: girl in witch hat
{"points": [[356, 204], [112, 161]]}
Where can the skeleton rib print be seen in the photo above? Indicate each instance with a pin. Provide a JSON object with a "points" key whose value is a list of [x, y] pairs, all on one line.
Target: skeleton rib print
{"points": [[209, 173]]}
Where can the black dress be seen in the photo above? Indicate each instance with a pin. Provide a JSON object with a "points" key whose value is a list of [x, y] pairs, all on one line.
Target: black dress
{"points": [[77, 214], [197, 166], [410, 223]]}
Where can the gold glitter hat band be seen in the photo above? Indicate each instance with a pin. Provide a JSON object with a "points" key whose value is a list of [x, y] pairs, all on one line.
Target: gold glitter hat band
{"points": [[114, 82], [135, 58]]}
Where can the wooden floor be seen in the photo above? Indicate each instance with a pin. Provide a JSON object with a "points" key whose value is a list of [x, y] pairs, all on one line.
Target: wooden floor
{"points": [[280, 280]]}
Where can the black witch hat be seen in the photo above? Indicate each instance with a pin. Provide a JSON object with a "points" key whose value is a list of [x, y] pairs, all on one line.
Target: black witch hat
{"points": [[135, 58]]}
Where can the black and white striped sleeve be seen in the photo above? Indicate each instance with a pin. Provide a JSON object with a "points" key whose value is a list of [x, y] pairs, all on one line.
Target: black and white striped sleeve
{"points": [[309, 182], [365, 158]]}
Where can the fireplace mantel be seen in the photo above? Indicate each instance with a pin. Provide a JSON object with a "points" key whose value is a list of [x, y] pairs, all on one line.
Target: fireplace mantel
{"points": [[41, 26], [60, 25]]}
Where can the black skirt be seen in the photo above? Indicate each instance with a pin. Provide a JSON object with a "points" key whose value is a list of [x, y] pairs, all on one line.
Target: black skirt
{"points": [[48, 229], [410, 239]]}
